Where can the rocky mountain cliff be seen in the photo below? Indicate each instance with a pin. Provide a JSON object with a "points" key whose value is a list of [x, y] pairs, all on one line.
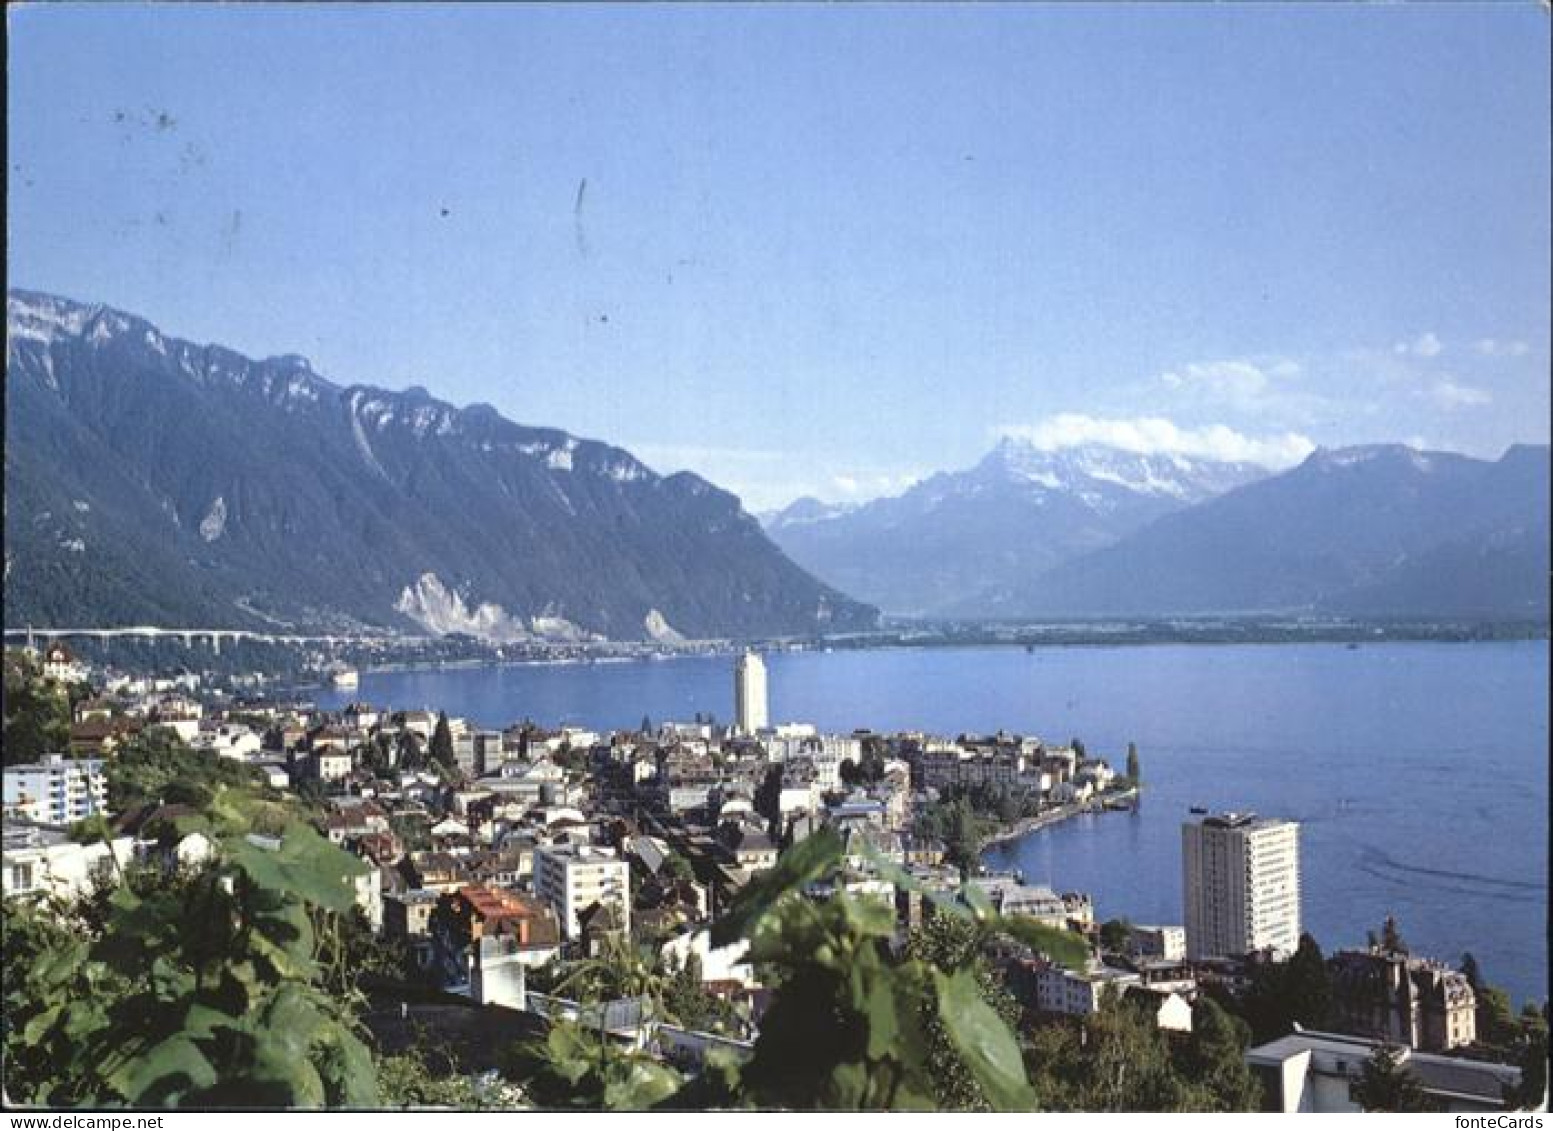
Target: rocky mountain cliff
{"points": [[152, 480]]}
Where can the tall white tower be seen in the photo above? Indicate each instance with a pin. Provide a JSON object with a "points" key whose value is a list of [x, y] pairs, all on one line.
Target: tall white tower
{"points": [[1241, 881], [749, 694]]}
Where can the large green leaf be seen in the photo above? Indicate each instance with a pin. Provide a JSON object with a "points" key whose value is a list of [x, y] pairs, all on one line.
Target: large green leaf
{"points": [[164, 1073], [799, 866], [984, 1041], [1057, 944], [637, 1083]]}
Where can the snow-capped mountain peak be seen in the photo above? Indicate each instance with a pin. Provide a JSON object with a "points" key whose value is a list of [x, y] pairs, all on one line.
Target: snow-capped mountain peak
{"points": [[1092, 467]]}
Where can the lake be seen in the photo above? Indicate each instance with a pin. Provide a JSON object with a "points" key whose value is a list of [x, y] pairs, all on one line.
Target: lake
{"points": [[1418, 771]]}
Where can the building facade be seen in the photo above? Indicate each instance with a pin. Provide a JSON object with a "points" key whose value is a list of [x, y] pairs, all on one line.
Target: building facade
{"points": [[1241, 885], [56, 790], [573, 877], [1391, 996], [749, 694]]}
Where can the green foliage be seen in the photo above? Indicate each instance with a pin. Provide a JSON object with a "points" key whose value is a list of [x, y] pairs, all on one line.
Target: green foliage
{"points": [[200, 990], [954, 821], [868, 768], [442, 743], [1118, 1059], [1213, 1060], [1470, 970], [157, 766], [1281, 994], [1133, 770], [574, 1067], [850, 1023], [677, 868], [36, 712], [1391, 937], [1113, 935], [1115, 1060], [1386, 1084], [1495, 1022], [687, 1003], [423, 1077], [1533, 1091], [951, 943]]}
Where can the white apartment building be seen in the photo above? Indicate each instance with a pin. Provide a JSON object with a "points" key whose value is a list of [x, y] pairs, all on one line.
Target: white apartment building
{"points": [[573, 877], [56, 790], [749, 694], [44, 861], [1241, 885], [1078, 993]]}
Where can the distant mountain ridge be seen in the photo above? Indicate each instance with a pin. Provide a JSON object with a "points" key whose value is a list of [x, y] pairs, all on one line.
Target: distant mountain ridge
{"points": [[970, 539], [153, 480], [1380, 530]]}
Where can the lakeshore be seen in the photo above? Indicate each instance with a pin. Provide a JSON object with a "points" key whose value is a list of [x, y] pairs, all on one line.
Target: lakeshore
{"points": [[1118, 799], [1320, 733]]}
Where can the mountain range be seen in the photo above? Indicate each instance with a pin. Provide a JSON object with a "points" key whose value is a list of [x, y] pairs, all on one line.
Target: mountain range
{"points": [[1377, 531], [970, 540], [152, 480]]}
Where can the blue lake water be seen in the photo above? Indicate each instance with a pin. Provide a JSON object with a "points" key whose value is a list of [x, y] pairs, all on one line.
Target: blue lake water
{"points": [[1419, 772]]}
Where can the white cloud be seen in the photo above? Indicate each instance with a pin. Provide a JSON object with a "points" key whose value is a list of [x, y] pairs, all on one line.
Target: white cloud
{"points": [[858, 488], [1492, 347], [1237, 381], [1273, 390], [1152, 435], [1449, 394], [1426, 344], [768, 478]]}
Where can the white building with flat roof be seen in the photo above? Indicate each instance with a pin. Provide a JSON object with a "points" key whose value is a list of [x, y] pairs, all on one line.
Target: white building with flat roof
{"points": [[749, 694], [1241, 885], [573, 877]]}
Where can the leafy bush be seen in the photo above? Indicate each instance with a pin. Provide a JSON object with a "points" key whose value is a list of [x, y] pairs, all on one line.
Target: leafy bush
{"points": [[204, 990]]}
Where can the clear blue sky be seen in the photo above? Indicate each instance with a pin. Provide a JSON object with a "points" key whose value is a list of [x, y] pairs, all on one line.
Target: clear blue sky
{"points": [[824, 249]]}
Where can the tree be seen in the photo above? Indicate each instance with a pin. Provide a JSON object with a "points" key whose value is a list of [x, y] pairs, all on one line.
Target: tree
{"points": [[1132, 763], [1113, 935], [157, 766], [1116, 1059], [1469, 969], [646, 725], [949, 942], [1391, 939], [1213, 1058], [442, 743], [37, 712], [677, 869], [1495, 1021], [1386, 1084], [1077, 745], [1533, 1091], [1307, 989], [768, 801], [962, 837], [411, 754]]}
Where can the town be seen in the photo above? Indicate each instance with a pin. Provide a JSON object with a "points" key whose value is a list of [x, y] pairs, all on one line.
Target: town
{"points": [[507, 881]]}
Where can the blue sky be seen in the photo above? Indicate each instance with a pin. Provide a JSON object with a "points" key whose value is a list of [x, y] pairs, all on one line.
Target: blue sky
{"points": [[823, 249]]}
